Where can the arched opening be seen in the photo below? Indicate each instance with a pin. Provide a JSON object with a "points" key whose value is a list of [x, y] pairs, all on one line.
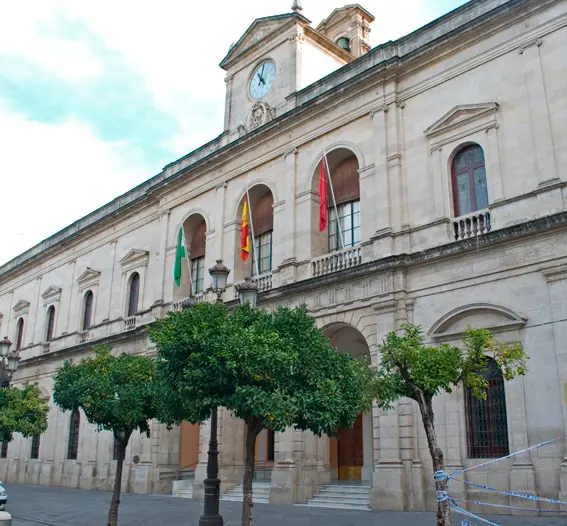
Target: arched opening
{"points": [[50, 324], [344, 43], [133, 294], [34, 453], [487, 420], [193, 265], [351, 454], [19, 334], [87, 310], [470, 191], [343, 204], [261, 228]]}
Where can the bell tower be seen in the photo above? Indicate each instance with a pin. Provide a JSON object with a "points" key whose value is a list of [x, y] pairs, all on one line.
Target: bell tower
{"points": [[349, 28], [281, 54]]}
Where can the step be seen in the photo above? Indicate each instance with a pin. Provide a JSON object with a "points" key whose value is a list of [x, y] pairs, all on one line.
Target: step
{"points": [[338, 500], [260, 493], [348, 497], [340, 506]]}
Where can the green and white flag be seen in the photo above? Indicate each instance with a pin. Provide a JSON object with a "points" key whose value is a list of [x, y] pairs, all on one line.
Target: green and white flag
{"points": [[180, 254]]}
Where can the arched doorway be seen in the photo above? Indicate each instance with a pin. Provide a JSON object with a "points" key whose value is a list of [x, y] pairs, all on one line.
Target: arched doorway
{"points": [[350, 453]]}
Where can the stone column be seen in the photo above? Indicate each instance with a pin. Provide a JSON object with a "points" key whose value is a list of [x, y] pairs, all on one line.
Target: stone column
{"points": [[159, 277], [557, 283], [218, 224], [388, 479], [284, 474], [284, 218], [382, 238], [539, 114]]}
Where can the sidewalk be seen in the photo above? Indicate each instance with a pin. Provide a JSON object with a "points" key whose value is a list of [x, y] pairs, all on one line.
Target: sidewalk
{"points": [[46, 506]]}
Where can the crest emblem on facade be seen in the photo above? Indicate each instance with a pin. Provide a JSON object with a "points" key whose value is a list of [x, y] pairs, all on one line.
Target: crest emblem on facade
{"points": [[260, 114]]}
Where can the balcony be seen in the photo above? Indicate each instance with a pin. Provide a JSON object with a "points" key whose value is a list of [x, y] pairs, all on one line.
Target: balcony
{"points": [[177, 305], [83, 336], [130, 323], [335, 261], [472, 225], [264, 282]]}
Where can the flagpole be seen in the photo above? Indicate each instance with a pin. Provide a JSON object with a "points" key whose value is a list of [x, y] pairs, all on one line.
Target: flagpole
{"points": [[327, 170], [254, 255], [187, 257]]}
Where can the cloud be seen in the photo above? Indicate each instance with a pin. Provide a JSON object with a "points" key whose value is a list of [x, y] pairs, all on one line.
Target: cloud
{"points": [[95, 97], [53, 174]]}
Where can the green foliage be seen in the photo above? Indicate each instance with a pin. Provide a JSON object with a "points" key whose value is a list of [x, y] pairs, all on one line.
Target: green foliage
{"points": [[412, 369], [116, 393], [273, 369], [22, 411]]}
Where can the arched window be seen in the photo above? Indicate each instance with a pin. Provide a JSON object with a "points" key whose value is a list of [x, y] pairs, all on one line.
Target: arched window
{"points": [[197, 255], [263, 223], [346, 189], [469, 180], [73, 446], [344, 43], [487, 421], [50, 323], [20, 333], [134, 294], [87, 309], [4, 450], [35, 447]]}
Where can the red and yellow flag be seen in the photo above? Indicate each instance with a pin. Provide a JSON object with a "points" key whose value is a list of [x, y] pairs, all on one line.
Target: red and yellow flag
{"points": [[244, 235]]}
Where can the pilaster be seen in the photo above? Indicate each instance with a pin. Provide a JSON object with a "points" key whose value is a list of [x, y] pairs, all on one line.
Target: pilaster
{"points": [[540, 124]]}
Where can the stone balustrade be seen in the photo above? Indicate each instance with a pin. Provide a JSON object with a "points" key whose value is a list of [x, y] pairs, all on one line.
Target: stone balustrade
{"points": [[130, 323], [472, 225], [335, 261]]}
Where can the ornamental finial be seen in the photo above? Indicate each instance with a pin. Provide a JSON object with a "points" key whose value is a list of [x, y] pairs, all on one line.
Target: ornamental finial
{"points": [[296, 6]]}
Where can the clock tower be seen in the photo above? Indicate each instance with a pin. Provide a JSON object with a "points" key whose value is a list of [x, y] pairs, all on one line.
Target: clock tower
{"points": [[276, 56]]}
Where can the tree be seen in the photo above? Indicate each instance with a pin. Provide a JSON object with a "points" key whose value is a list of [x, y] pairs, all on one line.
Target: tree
{"points": [[412, 369], [116, 393], [22, 411], [273, 370]]}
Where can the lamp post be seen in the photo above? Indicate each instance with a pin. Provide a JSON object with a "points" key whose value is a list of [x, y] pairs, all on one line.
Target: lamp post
{"points": [[211, 516], [247, 293], [9, 362]]}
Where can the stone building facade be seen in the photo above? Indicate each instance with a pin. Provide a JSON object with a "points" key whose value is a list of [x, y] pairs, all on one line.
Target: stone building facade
{"points": [[447, 150]]}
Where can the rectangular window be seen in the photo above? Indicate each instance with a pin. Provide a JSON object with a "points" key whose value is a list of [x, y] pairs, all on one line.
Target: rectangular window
{"points": [[198, 274], [115, 450], [4, 450], [35, 447], [263, 253], [349, 224]]}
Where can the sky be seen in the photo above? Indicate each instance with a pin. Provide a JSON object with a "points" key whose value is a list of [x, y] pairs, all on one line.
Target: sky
{"points": [[96, 97]]}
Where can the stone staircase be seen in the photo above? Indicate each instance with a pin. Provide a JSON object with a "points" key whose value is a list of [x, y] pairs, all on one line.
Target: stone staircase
{"points": [[183, 487], [350, 497], [260, 490]]}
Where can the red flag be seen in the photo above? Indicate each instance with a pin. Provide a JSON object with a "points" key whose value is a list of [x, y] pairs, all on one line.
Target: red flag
{"points": [[322, 196], [244, 235]]}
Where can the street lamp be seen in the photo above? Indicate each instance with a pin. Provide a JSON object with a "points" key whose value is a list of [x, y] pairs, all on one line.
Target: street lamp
{"points": [[9, 362], [211, 516], [247, 292], [219, 275]]}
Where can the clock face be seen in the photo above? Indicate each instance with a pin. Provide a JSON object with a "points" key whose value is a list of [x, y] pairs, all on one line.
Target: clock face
{"points": [[262, 80]]}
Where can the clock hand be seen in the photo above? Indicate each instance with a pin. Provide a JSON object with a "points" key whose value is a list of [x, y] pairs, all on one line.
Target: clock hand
{"points": [[261, 80]]}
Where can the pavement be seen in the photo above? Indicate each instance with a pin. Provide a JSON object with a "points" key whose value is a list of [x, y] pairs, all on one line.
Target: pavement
{"points": [[50, 506]]}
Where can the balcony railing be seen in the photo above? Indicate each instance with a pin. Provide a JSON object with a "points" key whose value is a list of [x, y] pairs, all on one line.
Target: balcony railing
{"points": [[130, 323], [83, 336], [472, 225], [264, 282], [335, 261], [177, 305]]}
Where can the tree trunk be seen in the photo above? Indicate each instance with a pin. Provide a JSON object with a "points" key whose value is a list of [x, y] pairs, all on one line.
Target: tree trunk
{"points": [[249, 465], [426, 407], [120, 455]]}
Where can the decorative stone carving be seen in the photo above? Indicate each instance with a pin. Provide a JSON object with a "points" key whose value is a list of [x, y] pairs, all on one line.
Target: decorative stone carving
{"points": [[260, 114]]}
